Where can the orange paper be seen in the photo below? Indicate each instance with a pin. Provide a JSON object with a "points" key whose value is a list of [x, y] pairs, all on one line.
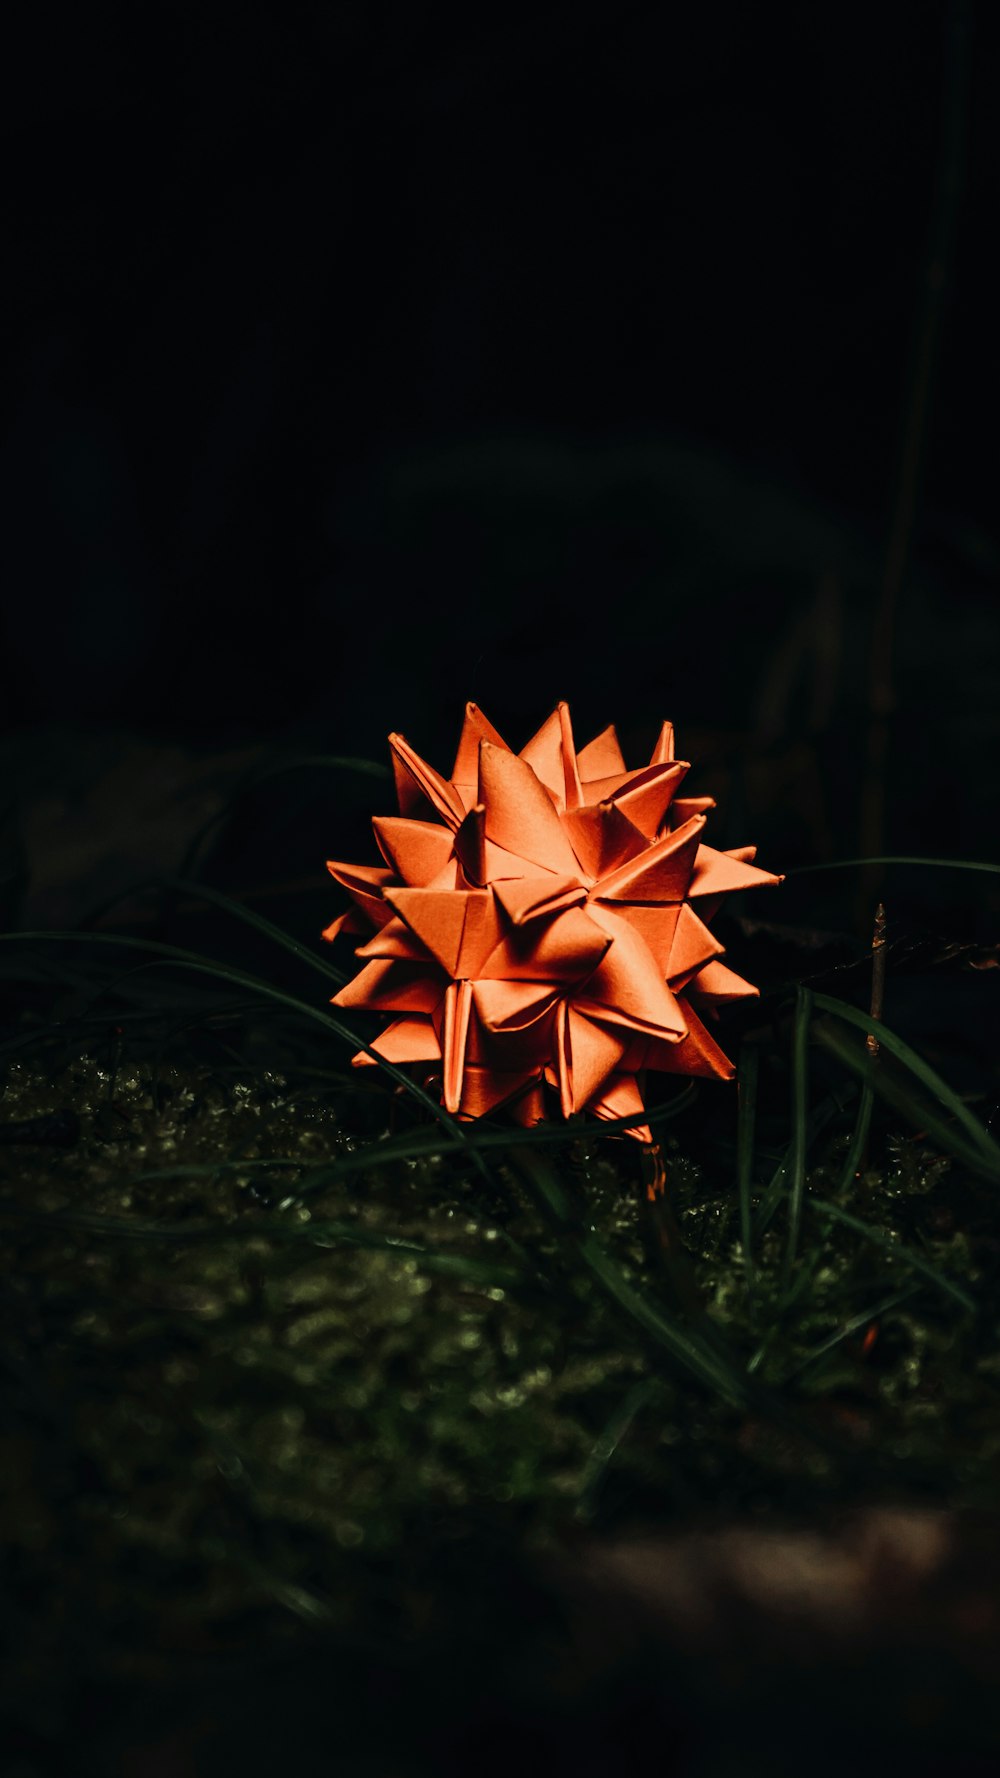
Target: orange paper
{"points": [[540, 924]]}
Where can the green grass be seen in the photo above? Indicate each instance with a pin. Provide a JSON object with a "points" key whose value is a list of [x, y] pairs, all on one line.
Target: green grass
{"points": [[270, 1327]]}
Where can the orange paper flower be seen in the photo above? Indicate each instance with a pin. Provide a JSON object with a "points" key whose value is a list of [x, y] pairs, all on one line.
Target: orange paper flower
{"points": [[541, 921]]}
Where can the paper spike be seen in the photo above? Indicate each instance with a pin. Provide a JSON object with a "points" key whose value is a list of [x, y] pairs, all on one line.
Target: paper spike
{"points": [[720, 873], [348, 921], [647, 799], [544, 754], [363, 881], [418, 784], [393, 940], [697, 1053], [475, 728], [520, 815], [716, 982], [663, 752], [393, 987], [662, 873], [457, 1008], [572, 788], [693, 946], [411, 1039], [602, 757], [415, 850]]}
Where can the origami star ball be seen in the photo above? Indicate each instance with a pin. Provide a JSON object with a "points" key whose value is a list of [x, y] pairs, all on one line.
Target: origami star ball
{"points": [[542, 924]]}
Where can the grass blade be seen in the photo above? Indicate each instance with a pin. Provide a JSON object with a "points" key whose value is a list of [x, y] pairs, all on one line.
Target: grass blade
{"points": [[816, 1122], [181, 886], [916, 1065], [906, 1255], [693, 1354], [915, 1111], [854, 1325], [800, 1132], [749, 1069], [804, 870], [264, 774], [237, 978], [317, 1234], [602, 1455]]}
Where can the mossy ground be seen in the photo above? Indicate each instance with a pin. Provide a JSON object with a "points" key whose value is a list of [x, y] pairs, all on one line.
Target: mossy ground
{"points": [[257, 1375]]}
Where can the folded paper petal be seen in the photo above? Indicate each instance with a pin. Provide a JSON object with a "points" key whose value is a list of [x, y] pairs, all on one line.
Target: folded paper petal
{"points": [[520, 814], [414, 850]]}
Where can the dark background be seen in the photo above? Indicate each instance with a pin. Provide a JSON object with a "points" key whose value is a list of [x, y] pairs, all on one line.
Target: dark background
{"points": [[355, 365]]}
